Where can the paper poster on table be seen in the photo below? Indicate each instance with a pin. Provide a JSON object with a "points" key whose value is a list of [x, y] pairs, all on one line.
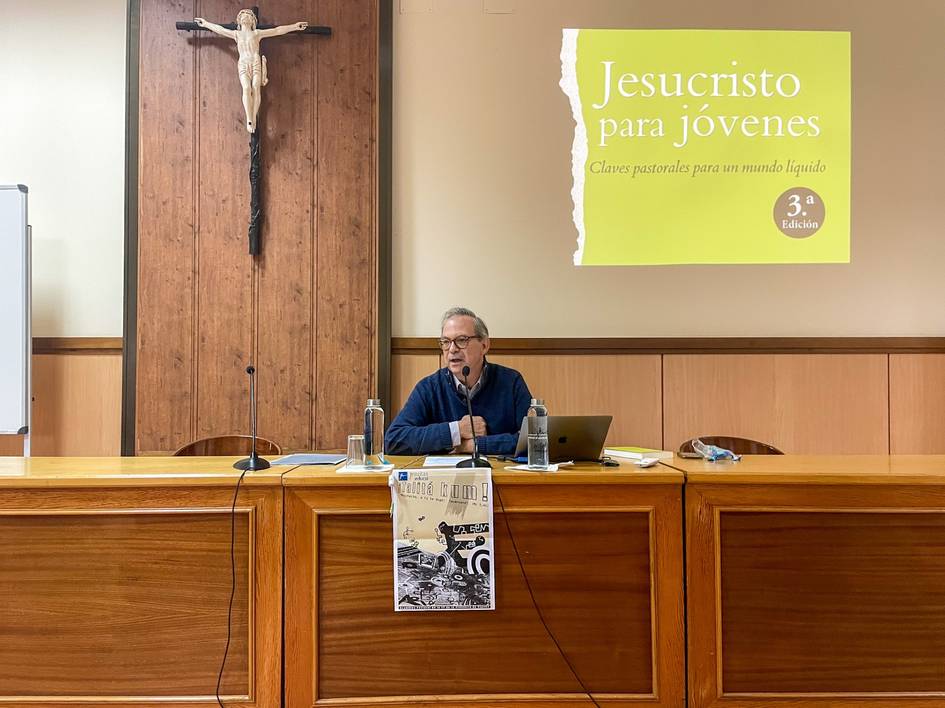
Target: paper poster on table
{"points": [[443, 540], [709, 146]]}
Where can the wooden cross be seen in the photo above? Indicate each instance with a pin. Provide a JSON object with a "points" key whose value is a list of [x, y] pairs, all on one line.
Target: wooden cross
{"points": [[253, 75]]}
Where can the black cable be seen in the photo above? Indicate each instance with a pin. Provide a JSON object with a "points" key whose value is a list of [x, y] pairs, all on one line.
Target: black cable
{"points": [[528, 586], [685, 589], [229, 612]]}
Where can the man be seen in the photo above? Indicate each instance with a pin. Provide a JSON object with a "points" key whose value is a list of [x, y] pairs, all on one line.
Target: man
{"points": [[435, 419], [252, 65]]}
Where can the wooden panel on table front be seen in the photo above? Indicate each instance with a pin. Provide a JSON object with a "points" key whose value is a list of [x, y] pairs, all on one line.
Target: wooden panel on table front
{"points": [[815, 403], [120, 604], [346, 260], [916, 403], [624, 385], [166, 221], [285, 288], [820, 596], [832, 602], [605, 564], [593, 590]]}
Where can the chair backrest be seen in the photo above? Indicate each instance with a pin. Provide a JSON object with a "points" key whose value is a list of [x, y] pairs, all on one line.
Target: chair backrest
{"points": [[740, 446], [226, 445]]}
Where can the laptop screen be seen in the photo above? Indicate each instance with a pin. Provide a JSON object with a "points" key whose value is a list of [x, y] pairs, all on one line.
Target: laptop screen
{"points": [[570, 437]]}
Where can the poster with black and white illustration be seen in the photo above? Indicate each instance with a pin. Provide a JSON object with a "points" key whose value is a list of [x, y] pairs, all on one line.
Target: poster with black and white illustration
{"points": [[443, 540]]}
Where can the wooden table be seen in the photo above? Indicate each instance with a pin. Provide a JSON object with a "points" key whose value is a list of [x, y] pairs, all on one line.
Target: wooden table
{"points": [[601, 547], [812, 582], [816, 581], [115, 582]]}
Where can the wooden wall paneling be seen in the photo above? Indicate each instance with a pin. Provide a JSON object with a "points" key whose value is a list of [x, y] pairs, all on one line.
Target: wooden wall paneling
{"points": [[916, 403], [405, 371], [625, 386], [205, 310], [11, 445], [225, 317], [166, 173], [818, 403], [346, 258], [284, 292], [76, 405]]}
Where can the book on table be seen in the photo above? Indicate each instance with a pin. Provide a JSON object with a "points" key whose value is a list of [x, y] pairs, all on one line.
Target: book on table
{"points": [[630, 452]]}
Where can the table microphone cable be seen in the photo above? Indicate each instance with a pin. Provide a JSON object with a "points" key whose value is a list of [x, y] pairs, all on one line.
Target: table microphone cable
{"points": [[518, 558], [410, 463], [531, 594], [229, 612]]}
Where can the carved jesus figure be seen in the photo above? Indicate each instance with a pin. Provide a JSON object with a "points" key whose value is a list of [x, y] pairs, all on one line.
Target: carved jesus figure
{"points": [[252, 65]]}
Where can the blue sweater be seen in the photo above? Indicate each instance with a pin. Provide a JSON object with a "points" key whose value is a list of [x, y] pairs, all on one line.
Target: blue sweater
{"points": [[423, 425]]}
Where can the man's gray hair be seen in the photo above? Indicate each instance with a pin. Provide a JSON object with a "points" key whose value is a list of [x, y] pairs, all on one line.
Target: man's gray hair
{"points": [[479, 326]]}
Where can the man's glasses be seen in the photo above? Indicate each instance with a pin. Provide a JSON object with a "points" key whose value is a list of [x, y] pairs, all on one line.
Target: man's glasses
{"points": [[461, 342]]}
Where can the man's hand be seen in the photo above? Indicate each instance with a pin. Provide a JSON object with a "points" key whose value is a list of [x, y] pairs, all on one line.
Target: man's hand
{"points": [[466, 430], [465, 446], [200, 22], [301, 26]]}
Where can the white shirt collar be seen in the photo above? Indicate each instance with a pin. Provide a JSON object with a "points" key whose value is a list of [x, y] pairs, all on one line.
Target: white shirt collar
{"points": [[476, 386]]}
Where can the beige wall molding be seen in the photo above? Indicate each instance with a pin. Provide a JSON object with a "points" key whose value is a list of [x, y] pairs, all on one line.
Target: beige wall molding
{"points": [[693, 345], [77, 345], [600, 345]]}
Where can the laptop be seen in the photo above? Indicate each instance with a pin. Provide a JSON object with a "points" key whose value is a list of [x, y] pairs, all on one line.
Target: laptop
{"points": [[570, 437]]}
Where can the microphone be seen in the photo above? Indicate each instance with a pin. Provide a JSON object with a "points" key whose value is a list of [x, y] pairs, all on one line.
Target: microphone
{"points": [[475, 460], [254, 462]]}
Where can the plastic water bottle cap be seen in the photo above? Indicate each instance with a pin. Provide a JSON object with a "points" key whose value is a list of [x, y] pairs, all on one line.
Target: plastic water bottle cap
{"points": [[538, 401], [374, 402]]}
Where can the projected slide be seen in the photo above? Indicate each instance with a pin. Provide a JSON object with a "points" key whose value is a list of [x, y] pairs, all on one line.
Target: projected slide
{"points": [[709, 146]]}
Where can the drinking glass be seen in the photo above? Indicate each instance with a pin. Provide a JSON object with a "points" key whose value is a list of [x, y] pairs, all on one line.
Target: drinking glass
{"points": [[355, 452]]}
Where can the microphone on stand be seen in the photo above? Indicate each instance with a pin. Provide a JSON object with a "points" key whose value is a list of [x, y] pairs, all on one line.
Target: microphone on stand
{"points": [[254, 462], [475, 460]]}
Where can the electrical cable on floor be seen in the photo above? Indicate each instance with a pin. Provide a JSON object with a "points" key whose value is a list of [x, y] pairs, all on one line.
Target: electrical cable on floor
{"points": [[531, 594], [229, 612]]}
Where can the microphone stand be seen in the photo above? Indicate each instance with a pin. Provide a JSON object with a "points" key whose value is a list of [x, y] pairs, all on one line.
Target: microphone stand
{"points": [[475, 460], [254, 462]]}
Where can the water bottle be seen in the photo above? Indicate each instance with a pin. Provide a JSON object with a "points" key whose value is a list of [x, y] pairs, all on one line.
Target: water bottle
{"points": [[374, 434], [538, 434]]}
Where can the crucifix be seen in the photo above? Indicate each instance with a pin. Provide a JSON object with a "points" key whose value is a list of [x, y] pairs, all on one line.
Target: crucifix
{"points": [[253, 74]]}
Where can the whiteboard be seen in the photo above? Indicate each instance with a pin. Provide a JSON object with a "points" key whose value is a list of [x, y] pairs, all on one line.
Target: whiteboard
{"points": [[14, 310]]}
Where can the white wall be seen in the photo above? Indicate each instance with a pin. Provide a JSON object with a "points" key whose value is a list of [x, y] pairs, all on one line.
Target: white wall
{"points": [[482, 137], [62, 133]]}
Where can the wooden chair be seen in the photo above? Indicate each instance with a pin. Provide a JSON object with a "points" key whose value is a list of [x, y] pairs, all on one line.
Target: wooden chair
{"points": [[229, 445], [740, 446]]}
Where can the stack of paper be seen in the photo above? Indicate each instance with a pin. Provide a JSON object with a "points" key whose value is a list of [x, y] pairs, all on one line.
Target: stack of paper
{"points": [[637, 453], [444, 460]]}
